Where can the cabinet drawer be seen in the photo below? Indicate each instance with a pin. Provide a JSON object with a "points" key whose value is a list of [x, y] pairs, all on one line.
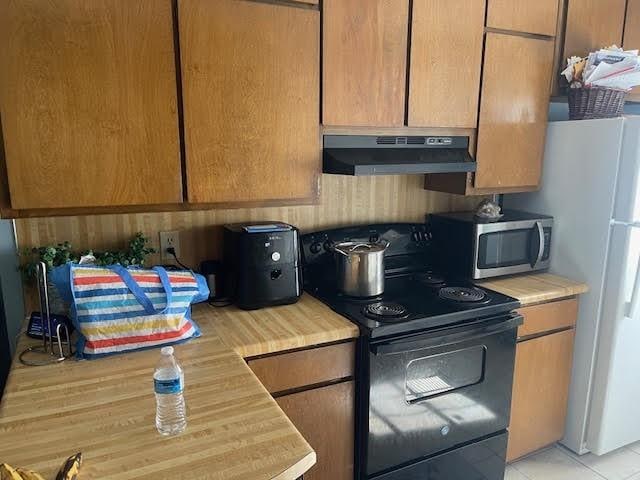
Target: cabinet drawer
{"points": [[292, 370], [548, 316]]}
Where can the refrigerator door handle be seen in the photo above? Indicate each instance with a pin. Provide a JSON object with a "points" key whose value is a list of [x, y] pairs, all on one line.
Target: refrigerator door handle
{"points": [[633, 306], [625, 224]]}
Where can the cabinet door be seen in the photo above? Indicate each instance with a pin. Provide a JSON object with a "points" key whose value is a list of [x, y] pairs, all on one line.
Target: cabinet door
{"points": [[88, 101], [539, 16], [592, 24], [364, 60], [632, 36], [540, 392], [446, 56], [513, 111], [250, 80], [324, 416]]}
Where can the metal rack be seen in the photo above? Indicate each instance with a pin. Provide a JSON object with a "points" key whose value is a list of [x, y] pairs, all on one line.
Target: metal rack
{"points": [[45, 353]]}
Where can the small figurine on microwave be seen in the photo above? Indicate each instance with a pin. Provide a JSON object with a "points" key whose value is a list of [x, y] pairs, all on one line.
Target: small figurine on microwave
{"points": [[488, 211]]}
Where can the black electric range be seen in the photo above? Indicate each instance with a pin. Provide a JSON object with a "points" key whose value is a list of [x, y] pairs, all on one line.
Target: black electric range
{"points": [[434, 361]]}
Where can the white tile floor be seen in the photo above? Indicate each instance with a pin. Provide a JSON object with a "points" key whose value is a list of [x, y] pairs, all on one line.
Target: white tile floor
{"points": [[558, 463]]}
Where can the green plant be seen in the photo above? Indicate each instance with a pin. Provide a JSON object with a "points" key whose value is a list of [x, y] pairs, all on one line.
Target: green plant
{"points": [[53, 256]]}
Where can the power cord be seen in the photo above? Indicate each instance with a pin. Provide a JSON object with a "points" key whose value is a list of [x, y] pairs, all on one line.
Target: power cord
{"points": [[221, 302], [172, 251]]}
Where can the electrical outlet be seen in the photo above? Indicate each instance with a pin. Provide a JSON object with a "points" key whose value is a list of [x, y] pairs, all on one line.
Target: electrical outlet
{"points": [[167, 240]]}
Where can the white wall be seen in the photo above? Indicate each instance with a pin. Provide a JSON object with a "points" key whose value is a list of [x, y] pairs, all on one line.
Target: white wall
{"points": [[10, 281]]}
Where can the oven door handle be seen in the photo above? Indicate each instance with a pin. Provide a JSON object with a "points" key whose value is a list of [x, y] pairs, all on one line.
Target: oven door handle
{"points": [[447, 337]]}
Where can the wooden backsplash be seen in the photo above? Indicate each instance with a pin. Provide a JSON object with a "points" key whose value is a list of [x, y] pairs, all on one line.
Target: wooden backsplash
{"points": [[344, 201]]}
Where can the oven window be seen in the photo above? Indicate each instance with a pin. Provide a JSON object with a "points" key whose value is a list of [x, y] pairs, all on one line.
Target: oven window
{"points": [[429, 376], [504, 249]]}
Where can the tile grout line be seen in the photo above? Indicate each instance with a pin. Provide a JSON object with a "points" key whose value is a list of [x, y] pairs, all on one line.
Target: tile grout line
{"points": [[521, 473], [528, 456], [576, 458]]}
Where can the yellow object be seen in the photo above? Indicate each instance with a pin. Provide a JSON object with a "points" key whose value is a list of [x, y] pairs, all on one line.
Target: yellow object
{"points": [[70, 468], [7, 472], [29, 474]]}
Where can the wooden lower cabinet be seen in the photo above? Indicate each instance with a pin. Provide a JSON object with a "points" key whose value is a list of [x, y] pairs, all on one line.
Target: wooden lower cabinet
{"points": [[540, 392], [325, 418]]}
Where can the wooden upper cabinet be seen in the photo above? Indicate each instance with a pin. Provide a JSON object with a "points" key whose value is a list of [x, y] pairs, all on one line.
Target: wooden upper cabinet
{"points": [[89, 103], [529, 16], [446, 57], [632, 36], [364, 62], [593, 24], [250, 80], [513, 111]]}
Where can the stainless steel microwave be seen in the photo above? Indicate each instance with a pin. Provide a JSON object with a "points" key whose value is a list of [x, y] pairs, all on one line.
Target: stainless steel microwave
{"points": [[519, 242]]}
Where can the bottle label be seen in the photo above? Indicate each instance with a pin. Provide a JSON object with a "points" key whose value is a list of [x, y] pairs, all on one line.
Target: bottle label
{"points": [[173, 385]]}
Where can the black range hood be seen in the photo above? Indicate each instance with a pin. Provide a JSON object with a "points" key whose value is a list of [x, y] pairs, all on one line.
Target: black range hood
{"points": [[391, 155]]}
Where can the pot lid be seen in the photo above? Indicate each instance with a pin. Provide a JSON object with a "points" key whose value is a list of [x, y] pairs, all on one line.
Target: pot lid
{"points": [[360, 247]]}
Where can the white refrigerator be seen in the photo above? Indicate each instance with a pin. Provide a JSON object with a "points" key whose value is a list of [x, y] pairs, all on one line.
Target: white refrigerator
{"points": [[591, 186]]}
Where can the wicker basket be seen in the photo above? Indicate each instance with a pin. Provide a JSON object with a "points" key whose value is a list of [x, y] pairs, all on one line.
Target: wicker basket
{"points": [[595, 102]]}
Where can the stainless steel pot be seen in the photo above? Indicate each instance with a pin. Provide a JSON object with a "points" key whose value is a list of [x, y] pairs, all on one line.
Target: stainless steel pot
{"points": [[360, 268]]}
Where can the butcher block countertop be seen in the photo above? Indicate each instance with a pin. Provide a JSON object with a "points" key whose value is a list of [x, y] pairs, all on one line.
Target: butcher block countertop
{"points": [[536, 287], [106, 408], [269, 330]]}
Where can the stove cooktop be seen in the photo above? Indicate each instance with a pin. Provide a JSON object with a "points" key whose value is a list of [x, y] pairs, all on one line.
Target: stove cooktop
{"points": [[415, 301], [415, 297]]}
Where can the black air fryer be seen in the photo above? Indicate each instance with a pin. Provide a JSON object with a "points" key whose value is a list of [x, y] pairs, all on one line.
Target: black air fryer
{"points": [[262, 263]]}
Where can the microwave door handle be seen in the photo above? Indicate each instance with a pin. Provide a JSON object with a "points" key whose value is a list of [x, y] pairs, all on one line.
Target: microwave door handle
{"points": [[537, 233], [541, 238]]}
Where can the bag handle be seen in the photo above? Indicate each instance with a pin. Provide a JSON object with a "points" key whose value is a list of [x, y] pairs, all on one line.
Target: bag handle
{"points": [[139, 293]]}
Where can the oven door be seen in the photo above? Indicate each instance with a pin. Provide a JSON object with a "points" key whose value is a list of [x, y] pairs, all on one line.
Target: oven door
{"points": [[432, 391], [506, 248]]}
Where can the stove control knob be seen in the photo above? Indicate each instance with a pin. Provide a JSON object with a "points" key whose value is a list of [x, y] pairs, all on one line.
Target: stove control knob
{"points": [[275, 256], [328, 246], [445, 430], [374, 238], [315, 248], [415, 236]]}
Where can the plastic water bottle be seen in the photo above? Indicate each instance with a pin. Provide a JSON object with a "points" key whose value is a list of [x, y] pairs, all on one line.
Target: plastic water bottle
{"points": [[168, 381]]}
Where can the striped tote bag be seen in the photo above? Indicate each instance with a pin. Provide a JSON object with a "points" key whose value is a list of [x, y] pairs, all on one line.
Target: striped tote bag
{"points": [[116, 309]]}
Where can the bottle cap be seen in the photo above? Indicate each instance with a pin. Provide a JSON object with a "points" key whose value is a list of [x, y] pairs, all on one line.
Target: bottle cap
{"points": [[166, 351]]}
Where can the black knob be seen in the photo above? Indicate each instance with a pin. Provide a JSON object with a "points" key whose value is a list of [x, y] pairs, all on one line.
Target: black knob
{"points": [[328, 246], [315, 248], [374, 238], [276, 274]]}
